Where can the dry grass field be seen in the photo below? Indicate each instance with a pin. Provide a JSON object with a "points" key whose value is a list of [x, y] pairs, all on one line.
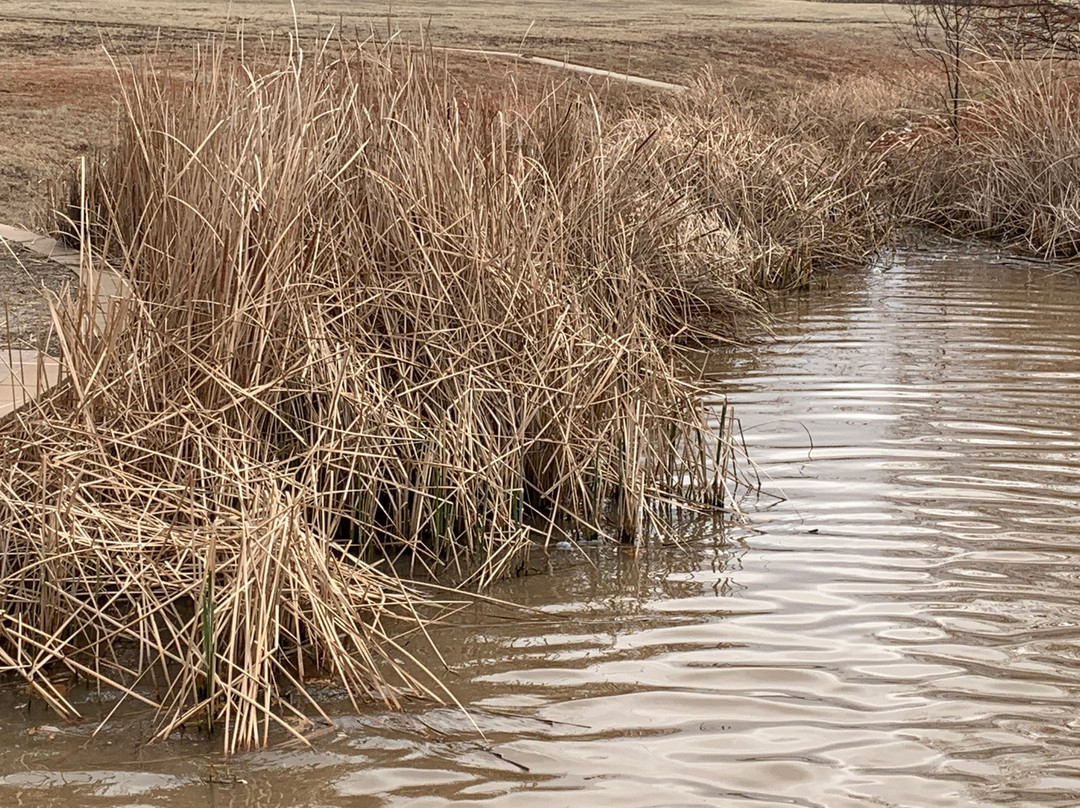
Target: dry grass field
{"points": [[57, 87]]}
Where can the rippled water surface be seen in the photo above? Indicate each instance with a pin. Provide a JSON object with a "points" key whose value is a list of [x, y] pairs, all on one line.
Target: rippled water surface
{"points": [[902, 630]]}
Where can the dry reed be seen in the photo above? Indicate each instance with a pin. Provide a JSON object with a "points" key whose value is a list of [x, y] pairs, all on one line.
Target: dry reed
{"points": [[1010, 177], [1014, 176], [781, 196], [369, 326]]}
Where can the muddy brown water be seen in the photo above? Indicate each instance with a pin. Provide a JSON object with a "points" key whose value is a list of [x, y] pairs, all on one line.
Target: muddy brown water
{"points": [[902, 630]]}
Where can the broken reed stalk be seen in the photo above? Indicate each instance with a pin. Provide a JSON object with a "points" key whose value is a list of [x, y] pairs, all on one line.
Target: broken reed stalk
{"points": [[366, 323]]}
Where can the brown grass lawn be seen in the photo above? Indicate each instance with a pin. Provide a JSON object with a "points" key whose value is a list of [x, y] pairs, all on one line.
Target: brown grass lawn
{"points": [[56, 84]]}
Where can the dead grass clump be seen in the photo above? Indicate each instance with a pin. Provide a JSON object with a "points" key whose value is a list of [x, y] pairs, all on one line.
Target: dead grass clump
{"points": [[360, 330], [774, 200], [1015, 172], [1011, 175], [368, 326], [858, 107]]}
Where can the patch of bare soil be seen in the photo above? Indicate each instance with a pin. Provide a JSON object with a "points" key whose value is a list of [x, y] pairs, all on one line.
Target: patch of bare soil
{"points": [[52, 111]]}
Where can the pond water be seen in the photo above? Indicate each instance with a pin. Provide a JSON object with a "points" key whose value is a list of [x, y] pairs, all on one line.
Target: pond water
{"points": [[902, 630]]}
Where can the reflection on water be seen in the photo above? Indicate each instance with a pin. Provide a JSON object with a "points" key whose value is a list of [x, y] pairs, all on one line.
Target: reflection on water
{"points": [[902, 630]]}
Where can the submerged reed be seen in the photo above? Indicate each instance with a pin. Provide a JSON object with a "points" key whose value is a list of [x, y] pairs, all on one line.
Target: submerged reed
{"points": [[367, 327]]}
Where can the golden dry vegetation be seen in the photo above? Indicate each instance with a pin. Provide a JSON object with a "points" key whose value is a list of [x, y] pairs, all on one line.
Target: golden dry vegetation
{"points": [[382, 309], [398, 315], [57, 87]]}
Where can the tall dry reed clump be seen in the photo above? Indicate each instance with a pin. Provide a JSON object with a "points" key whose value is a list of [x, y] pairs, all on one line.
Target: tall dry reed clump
{"points": [[773, 197], [365, 325], [885, 136], [362, 327], [1014, 176], [1011, 174]]}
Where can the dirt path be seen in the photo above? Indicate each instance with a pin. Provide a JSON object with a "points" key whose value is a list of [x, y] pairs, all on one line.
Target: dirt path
{"points": [[28, 347], [543, 61]]}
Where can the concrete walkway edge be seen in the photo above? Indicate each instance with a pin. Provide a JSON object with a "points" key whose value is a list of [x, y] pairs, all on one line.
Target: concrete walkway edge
{"points": [[24, 375]]}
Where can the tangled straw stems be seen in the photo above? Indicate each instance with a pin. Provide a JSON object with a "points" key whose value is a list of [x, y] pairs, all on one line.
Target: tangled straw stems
{"points": [[369, 325]]}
